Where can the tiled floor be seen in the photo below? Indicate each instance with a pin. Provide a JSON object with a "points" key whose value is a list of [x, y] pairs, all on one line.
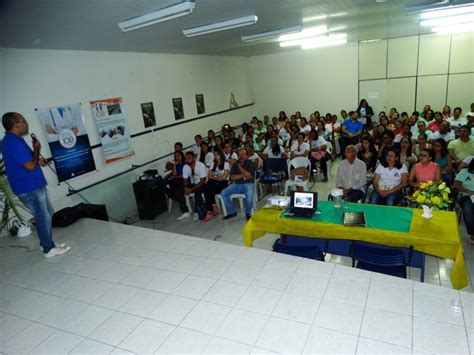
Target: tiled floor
{"points": [[128, 289]]}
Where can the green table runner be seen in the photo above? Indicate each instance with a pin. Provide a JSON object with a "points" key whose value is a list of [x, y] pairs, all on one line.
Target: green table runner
{"points": [[396, 219]]}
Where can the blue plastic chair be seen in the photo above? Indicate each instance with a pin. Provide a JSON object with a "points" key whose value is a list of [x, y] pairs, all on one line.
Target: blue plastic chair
{"points": [[381, 259], [310, 252], [274, 171]]}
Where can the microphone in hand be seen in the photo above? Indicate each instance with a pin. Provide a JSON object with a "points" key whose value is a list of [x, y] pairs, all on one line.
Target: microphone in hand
{"points": [[33, 137]]}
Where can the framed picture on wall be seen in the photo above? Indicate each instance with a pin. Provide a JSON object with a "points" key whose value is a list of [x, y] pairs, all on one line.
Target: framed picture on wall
{"points": [[200, 104], [178, 108], [148, 114]]}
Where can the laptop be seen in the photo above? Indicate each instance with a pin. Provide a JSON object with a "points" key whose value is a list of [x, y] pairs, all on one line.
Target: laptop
{"points": [[303, 204], [354, 219]]}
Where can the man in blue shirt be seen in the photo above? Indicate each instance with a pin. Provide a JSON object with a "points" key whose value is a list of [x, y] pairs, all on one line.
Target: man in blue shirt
{"points": [[27, 180], [351, 131]]}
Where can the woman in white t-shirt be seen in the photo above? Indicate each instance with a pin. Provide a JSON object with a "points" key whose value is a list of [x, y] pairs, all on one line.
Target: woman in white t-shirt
{"points": [[217, 181], [299, 148], [274, 150], [391, 177], [206, 156]]}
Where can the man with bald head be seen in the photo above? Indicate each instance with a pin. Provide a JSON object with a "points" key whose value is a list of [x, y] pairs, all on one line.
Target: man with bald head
{"points": [[26, 179], [351, 175]]}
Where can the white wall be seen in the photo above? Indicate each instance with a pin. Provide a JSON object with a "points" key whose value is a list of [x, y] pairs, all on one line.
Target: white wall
{"points": [[323, 79], [41, 78]]}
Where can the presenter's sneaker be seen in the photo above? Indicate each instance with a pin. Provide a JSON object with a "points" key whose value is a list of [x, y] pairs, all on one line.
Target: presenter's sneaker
{"points": [[183, 216], [229, 216], [57, 251], [195, 217], [62, 245]]}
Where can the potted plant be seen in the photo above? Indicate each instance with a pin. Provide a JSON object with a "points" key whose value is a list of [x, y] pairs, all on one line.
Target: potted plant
{"points": [[431, 196]]}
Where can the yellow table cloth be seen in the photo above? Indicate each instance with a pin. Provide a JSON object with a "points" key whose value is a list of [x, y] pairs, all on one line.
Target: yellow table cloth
{"points": [[438, 236]]}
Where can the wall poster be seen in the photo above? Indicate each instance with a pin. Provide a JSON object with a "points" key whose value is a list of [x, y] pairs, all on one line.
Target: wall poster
{"points": [[178, 108], [200, 104], [113, 129], [148, 114], [68, 140]]}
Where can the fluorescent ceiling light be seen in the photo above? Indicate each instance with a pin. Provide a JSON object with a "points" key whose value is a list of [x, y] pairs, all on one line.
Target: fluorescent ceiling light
{"points": [[371, 40], [445, 30], [338, 14], [451, 20], [314, 40], [165, 14], [309, 32], [315, 18], [444, 12], [265, 35], [324, 44], [220, 26]]}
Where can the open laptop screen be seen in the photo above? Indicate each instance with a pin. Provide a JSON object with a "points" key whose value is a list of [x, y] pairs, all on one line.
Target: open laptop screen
{"points": [[303, 200]]}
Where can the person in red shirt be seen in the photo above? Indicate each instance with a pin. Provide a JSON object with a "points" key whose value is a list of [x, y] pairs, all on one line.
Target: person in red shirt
{"points": [[434, 125]]}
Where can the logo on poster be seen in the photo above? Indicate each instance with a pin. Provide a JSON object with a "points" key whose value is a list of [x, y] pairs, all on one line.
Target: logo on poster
{"points": [[67, 138]]}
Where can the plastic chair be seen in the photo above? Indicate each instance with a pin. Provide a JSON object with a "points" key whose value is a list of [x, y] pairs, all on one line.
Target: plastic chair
{"points": [[381, 259], [275, 168], [298, 163], [309, 252]]}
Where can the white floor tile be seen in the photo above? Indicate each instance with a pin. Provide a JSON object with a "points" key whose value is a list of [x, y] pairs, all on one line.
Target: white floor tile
{"points": [[194, 287], [10, 326], [240, 272], [184, 341], [62, 313], [225, 293], [259, 299], [272, 277], [117, 272], [39, 307], [172, 309], [436, 308], [137, 256], [147, 337], [242, 326], [254, 256], [391, 281], [297, 307], [436, 337], [143, 303], [88, 320], [434, 290], [316, 267], [140, 277], [226, 252], [202, 248], [88, 346], [283, 336], [345, 272], [94, 268], [283, 261], [205, 317], [369, 346], [345, 290], [28, 339], [339, 316], [116, 297], [391, 299], [59, 343], [185, 264], [322, 341], [224, 346], [389, 327], [309, 284], [115, 328], [166, 281], [91, 290], [213, 268]]}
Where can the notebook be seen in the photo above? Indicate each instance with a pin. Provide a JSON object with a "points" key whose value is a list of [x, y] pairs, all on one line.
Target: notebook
{"points": [[354, 219], [303, 204]]}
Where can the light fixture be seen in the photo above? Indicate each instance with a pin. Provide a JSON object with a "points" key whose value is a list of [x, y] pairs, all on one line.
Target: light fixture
{"points": [[220, 26], [447, 11], [270, 34], [164, 14], [315, 18], [371, 40], [451, 20], [325, 41], [446, 30], [309, 32]]}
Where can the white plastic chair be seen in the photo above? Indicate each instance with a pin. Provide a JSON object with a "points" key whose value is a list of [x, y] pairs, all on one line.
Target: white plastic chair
{"points": [[298, 163], [188, 202]]}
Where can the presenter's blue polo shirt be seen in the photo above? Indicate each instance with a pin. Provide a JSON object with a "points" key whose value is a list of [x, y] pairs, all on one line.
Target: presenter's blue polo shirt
{"points": [[352, 126], [15, 153]]}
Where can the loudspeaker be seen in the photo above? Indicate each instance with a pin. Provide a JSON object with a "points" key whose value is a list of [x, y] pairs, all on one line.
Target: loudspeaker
{"points": [[150, 197]]}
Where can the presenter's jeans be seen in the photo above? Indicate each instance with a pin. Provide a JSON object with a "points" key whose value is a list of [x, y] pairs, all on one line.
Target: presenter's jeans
{"points": [[246, 189], [38, 203]]}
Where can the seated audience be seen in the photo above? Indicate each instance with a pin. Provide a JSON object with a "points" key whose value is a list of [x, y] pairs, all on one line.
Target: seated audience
{"points": [[196, 148], [444, 132], [422, 143], [461, 148], [368, 155], [174, 182], [319, 153], [464, 183], [406, 132], [211, 138], [178, 147], [351, 175], [253, 157], [285, 131], [425, 170], [274, 150], [391, 176], [304, 126], [242, 174], [456, 120], [406, 156], [443, 159], [233, 140], [351, 131], [219, 144], [229, 155], [387, 143], [446, 112], [433, 126], [465, 163], [206, 156], [299, 148], [217, 180], [194, 178]]}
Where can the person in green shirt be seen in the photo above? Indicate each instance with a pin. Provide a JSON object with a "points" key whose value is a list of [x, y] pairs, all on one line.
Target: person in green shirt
{"points": [[464, 183], [461, 148]]}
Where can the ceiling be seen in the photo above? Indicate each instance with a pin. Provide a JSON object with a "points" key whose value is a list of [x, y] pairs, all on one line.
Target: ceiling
{"points": [[92, 24]]}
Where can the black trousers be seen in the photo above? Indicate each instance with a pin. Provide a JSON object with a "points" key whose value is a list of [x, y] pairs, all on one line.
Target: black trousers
{"points": [[345, 141], [211, 189], [176, 192]]}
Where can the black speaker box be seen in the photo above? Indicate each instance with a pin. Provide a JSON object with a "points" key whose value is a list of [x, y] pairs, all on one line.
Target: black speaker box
{"points": [[151, 198]]}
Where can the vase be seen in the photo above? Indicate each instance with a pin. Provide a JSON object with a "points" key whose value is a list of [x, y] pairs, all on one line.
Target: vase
{"points": [[427, 211]]}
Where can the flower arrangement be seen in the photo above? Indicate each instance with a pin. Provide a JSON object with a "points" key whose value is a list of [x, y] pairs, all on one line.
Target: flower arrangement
{"points": [[432, 194]]}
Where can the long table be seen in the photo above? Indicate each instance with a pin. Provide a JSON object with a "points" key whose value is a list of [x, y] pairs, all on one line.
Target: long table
{"points": [[439, 236]]}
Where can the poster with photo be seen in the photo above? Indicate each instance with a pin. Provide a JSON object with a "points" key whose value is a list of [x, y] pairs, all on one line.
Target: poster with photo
{"points": [[200, 104], [148, 114], [68, 140], [113, 129], [178, 108]]}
